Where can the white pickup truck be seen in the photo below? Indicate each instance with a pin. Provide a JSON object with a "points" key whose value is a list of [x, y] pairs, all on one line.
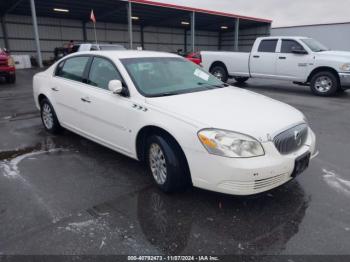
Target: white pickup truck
{"points": [[299, 59]]}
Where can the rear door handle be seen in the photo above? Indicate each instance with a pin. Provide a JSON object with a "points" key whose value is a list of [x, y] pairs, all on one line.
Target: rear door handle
{"points": [[85, 99], [54, 89], [256, 56], [282, 57]]}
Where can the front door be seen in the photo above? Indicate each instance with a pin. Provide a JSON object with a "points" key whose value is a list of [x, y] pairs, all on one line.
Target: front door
{"points": [[107, 115], [292, 66]]}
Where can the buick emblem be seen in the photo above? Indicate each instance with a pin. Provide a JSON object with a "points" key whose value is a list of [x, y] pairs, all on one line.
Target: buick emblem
{"points": [[297, 137]]}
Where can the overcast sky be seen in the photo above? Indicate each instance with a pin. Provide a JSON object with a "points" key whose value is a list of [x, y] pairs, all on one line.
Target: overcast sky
{"points": [[282, 12]]}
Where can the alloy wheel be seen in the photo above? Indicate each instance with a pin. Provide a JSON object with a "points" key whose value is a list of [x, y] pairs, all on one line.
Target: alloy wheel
{"points": [[323, 84], [157, 163], [47, 116]]}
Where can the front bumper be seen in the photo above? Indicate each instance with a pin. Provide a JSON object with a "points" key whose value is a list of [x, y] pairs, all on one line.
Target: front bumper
{"points": [[7, 71], [246, 176], [344, 80]]}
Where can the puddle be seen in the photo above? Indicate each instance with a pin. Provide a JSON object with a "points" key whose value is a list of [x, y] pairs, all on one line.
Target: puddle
{"points": [[335, 181], [8, 155], [10, 159]]}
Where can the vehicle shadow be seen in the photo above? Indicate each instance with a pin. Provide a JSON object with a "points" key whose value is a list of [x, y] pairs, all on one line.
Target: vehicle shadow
{"points": [[283, 88]]}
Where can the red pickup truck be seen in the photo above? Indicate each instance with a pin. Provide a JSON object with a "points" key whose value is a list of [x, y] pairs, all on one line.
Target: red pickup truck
{"points": [[7, 67]]}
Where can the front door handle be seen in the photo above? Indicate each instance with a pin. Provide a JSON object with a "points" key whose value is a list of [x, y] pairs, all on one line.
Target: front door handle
{"points": [[282, 57], [54, 89], [256, 56], [85, 99]]}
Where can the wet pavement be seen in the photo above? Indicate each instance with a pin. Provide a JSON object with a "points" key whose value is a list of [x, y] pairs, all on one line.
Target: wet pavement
{"points": [[67, 195]]}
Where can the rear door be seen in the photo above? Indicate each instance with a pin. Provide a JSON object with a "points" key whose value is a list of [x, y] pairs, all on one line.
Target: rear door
{"points": [[67, 90], [291, 66], [263, 60]]}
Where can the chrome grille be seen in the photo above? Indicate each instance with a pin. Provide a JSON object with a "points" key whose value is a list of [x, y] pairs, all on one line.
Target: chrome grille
{"points": [[291, 139]]}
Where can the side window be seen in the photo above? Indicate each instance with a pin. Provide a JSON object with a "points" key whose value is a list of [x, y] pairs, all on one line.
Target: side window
{"points": [[58, 70], [73, 68], [101, 72], [289, 45], [93, 48], [268, 46]]}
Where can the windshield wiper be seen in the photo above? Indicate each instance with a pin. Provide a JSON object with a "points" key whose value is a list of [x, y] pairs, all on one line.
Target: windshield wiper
{"points": [[166, 94], [209, 85], [221, 85]]}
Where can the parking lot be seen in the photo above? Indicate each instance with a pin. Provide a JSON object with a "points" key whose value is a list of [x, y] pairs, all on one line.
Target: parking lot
{"points": [[67, 195]]}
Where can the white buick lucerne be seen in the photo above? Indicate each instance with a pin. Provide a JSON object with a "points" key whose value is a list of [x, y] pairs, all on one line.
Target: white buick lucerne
{"points": [[186, 125]]}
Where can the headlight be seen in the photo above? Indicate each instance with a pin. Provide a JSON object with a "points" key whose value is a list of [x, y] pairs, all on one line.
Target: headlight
{"points": [[230, 144], [345, 67], [10, 62]]}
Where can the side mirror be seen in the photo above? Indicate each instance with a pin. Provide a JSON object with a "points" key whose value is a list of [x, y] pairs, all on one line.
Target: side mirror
{"points": [[115, 86], [299, 51]]}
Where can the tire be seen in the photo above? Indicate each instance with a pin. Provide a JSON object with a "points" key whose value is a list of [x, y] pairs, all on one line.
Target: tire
{"points": [[219, 72], [11, 79], [49, 118], [324, 83], [241, 80], [167, 164]]}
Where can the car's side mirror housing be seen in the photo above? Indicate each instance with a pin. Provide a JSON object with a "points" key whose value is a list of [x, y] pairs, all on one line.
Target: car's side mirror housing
{"points": [[299, 51], [115, 86]]}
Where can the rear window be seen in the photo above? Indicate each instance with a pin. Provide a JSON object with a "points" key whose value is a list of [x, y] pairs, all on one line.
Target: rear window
{"points": [[268, 46]]}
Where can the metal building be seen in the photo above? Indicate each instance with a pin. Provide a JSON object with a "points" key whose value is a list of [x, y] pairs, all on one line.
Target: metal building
{"points": [[334, 36], [36, 27]]}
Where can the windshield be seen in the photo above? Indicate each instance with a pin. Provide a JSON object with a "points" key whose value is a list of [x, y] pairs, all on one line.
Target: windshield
{"points": [[161, 76], [314, 45]]}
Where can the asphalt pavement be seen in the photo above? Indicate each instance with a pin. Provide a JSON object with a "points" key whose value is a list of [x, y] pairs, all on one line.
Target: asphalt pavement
{"points": [[67, 195]]}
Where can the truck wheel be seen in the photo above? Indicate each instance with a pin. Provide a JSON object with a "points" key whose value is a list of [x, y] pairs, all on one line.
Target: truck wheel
{"points": [[166, 164], [11, 79], [219, 72], [241, 80], [324, 84], [49, 118]]}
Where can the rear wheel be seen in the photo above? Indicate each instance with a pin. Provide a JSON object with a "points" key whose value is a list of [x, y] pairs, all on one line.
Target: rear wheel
{"points": [[219, 72], [49, 118], [324, 84], [166, 164], [11, 79], [241, 80]]}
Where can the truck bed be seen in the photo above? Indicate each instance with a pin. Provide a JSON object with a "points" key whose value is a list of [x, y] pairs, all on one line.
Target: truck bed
{"points": [[237, 63]]}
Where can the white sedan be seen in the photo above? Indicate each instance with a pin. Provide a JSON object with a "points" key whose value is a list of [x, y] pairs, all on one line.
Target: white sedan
{"points": [[187, 126]]}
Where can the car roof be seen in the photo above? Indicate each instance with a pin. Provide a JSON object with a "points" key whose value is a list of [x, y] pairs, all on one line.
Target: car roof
{"points": [[120, 54], [284, 36]]}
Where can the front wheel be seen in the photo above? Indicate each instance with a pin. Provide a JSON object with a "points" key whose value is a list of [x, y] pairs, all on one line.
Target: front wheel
{"points": [[220, 73], [49, 118], [166, 164], [324, 84]]}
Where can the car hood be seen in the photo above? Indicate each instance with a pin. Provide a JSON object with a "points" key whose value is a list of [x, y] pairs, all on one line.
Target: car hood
{"points": [[335, 54], [232, 109]]}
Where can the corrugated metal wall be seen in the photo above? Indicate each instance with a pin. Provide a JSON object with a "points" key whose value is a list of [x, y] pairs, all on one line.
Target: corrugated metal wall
{"points": [[246, 38], [2, 42], [56, 32], [334, 36], [205, 40]]}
